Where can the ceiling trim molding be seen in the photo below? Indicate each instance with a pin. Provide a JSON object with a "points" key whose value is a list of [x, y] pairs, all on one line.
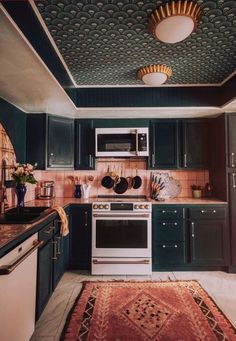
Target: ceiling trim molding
{"points": [[36, 11]]}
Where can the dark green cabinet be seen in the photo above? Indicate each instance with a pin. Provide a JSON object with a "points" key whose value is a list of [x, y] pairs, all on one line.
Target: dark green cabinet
{"points": [[163, 144], [52, 262], [60, 150], [168, 236], [193, 144], [232, 216], [50, 141], [231, 121], [80, 237], [208, 235], [178, 144], [189, 237], [84, 144]]}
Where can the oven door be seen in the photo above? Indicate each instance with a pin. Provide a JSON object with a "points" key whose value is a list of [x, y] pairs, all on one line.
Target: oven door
{"points": [[121, 235]]}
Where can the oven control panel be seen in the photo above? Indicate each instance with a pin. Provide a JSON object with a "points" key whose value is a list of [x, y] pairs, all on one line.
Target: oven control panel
{"points": [[122, 206]]}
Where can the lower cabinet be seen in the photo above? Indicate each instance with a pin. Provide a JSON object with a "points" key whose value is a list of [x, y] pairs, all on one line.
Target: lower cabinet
{"points": [[208, 236], [80, 237], [52, 261], [168, 238], [198, 240]]}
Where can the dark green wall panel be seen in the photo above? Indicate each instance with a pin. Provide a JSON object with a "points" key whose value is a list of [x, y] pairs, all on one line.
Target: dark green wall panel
{"points": [[14, 122]]}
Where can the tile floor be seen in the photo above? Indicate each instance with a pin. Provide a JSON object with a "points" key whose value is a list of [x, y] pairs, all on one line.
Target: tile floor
{"points": [[219, 285]]}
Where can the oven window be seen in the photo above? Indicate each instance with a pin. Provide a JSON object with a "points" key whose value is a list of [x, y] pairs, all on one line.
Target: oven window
{"points": [[121, 234], [116, 142]]}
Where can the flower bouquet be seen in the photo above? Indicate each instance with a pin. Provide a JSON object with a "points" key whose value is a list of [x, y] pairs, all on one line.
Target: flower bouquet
{"points": [[22, 174]]}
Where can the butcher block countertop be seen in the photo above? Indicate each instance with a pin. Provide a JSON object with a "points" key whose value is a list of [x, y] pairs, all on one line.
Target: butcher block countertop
{"points": [[11, 234]]}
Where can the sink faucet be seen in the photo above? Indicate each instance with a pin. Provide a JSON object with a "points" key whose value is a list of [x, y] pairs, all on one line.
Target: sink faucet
{"points": [[3, 191]]}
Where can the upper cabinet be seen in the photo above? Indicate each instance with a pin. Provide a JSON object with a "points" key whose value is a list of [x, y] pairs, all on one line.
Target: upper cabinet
{"points": [[178, 144], [84, 144], [50, 141], [163, 144], [231, 120], [194, 143]]}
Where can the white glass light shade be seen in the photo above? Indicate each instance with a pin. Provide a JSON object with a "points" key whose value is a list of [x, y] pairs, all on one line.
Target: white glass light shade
{"points": [[174, 29], [155, 78]]}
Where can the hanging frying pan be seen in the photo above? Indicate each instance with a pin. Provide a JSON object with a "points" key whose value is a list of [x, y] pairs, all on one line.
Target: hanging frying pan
{"points": [[137, 181], [107, 180], [122, 186]]}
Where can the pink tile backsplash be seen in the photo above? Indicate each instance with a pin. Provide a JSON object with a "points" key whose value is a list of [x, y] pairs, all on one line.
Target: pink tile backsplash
{"points": [[65, 180]]}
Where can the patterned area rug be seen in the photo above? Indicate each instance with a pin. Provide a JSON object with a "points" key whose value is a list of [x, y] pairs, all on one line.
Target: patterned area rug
{"points": [[144, 311]]}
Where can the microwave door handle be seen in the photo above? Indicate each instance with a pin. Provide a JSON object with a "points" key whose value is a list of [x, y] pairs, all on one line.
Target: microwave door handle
{"points": [[136, 140]]}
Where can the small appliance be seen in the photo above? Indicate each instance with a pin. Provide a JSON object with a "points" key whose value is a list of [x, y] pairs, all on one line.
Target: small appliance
{"points": [[121, 142], [46, 190]]}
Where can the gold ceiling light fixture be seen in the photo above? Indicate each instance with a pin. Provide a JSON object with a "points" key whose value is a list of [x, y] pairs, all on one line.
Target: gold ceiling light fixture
{"points": [[175, 21], [154, 74]]}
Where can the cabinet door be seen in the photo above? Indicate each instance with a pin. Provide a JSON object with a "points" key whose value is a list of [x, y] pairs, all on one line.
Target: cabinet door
{"points": [[84, 145], [163, 144], [232, 140], [207, 242], [80, 242], [232, 216], [194, 144], [58, 261], [44, 277], [60, 142]]}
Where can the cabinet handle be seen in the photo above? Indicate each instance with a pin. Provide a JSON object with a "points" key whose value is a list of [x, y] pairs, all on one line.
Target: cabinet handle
{"points": [[164, 211], [170, 246], [172, 224], [51, 154], [232, 160], [185, 160], [208, 211], [86, 218], [136, 141], [51, 228], [153, 160], [90, 161], [54, 250], [192, 229], [233, 180], [58, 245]]}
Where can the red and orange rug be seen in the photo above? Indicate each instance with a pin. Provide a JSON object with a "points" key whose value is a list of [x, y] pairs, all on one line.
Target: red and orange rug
{"points": [[144, 311]]}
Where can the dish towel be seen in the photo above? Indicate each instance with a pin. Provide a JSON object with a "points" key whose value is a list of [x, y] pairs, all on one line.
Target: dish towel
{"points": [[64, 221]]}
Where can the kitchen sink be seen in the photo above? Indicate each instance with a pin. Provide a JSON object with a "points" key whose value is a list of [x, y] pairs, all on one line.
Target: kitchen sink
{"points": [[23, 215]]}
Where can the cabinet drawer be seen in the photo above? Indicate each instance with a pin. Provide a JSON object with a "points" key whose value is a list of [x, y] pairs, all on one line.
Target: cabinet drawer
{"points": [[169, 231], [47, 232], [212, 212], [169, 253], [170, 213]]}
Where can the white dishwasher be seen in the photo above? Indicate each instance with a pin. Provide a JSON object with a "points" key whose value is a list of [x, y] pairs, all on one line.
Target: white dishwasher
{"points": [[18, 270]]}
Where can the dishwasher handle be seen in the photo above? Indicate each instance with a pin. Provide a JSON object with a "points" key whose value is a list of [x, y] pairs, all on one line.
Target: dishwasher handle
{"points": [[7, 269]]}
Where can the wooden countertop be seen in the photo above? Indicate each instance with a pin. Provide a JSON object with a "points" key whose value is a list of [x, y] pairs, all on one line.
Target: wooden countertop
{"points": [[10, 233]]}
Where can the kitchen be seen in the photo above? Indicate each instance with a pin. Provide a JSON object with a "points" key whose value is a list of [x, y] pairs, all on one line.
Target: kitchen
{"points": [[91, 132]]}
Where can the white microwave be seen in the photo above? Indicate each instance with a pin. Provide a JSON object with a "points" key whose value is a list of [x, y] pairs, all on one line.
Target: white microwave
{"points": [[121, 142]]}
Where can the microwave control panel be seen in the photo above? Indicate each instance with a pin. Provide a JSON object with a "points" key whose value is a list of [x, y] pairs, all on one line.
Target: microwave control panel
{"points": [[142, 142]]}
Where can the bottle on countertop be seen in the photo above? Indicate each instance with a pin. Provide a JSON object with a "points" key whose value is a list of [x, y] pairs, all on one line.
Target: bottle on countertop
{"points": [[208, 190]]}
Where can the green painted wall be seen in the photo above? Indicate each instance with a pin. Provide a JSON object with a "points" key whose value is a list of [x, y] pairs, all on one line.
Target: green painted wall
{"points": [[14, 122]]}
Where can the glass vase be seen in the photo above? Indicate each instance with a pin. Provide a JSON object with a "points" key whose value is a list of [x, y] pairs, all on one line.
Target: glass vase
{"points": [[20, 190]]}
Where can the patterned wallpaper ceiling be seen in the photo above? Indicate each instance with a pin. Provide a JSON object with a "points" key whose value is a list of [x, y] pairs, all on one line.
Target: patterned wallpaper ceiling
{"points": [[105, 42]]}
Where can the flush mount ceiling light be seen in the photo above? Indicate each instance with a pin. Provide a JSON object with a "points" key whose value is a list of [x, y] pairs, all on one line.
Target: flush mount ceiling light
{"points": [[154, 75], [175, 21]]}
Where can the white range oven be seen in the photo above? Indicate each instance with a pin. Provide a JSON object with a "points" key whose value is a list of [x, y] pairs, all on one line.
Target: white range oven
{"points": [[121, 238]]}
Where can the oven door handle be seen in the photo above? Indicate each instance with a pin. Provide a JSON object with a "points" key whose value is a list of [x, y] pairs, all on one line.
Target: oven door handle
{"points": [[121, 215], [143, 261], [136, 141]]}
